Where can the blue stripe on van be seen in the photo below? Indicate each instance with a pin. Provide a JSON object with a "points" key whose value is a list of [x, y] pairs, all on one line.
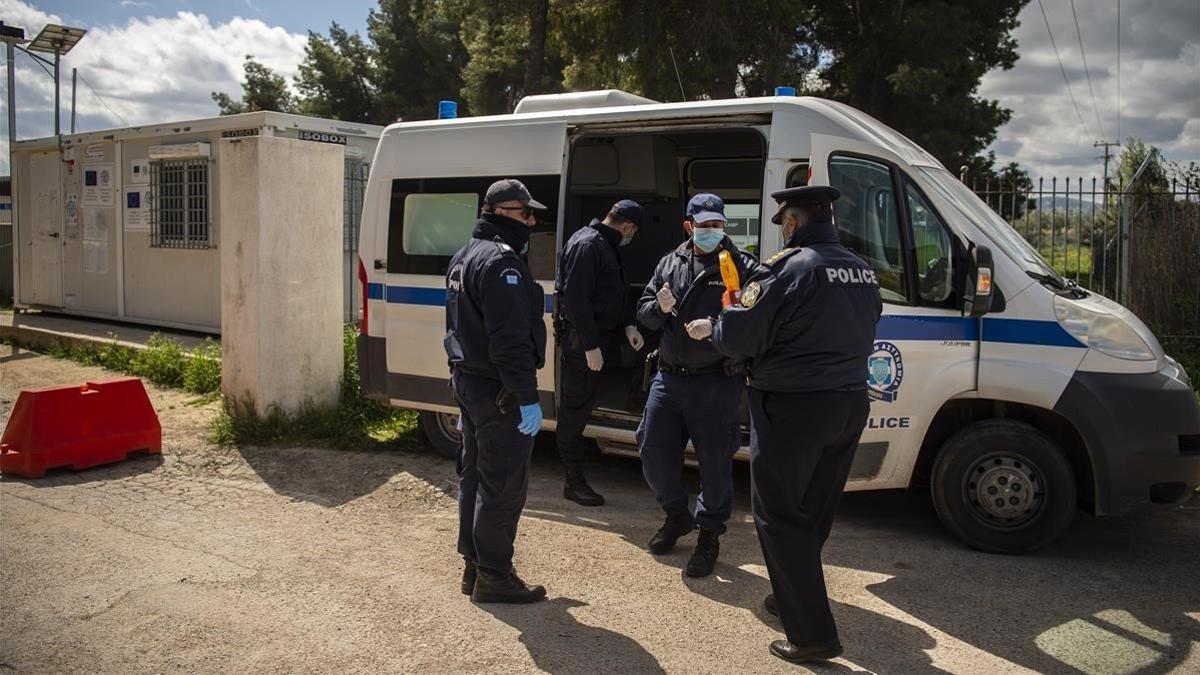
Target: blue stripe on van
{"points": [[417, 295], [891, 327], [1028, 332]]}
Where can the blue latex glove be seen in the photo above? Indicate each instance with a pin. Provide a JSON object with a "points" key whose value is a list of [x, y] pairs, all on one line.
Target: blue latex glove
{"points": [[531, 419]]}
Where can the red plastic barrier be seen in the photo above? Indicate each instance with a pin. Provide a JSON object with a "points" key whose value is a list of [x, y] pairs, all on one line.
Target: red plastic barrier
{"points": [[97, 423]]}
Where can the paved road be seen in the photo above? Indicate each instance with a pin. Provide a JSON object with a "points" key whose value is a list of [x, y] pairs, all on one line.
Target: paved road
{"points": [[301, 559]]}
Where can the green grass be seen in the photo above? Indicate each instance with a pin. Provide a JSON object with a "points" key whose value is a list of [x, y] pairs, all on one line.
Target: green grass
{"points": [[355, 422], [164, 361]]}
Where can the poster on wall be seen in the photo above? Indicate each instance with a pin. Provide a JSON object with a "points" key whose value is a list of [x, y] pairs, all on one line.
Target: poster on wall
{"points": [[139, 172], [99, 185], [95, 225], [72, 214], [95, 257], [137, 211]]}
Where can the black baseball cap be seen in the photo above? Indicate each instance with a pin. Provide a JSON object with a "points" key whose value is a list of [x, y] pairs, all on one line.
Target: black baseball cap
{"points": [[509, 189], [801, 196], [629, 210]]}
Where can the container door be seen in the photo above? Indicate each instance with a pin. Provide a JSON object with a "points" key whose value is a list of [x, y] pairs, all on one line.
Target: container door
{"points": [[45, 222]]}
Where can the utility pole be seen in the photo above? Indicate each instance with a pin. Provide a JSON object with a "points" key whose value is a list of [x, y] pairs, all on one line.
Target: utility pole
{"points": [[74, 76], [1106, 145]]}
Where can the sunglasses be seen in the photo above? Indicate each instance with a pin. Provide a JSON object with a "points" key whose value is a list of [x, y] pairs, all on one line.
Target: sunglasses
{"points": [[525, 210]]}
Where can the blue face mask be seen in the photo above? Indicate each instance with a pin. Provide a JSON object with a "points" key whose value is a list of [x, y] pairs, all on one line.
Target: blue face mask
{"points": [[707, 239]]}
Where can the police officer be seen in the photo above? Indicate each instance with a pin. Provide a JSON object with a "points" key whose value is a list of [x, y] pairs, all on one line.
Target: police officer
{"points": [[590, 289], [808, 327], [496, 342], [697, 392]]}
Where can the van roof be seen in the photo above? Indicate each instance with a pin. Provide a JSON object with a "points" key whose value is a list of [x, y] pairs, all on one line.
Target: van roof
{"points": [[854, 123]]}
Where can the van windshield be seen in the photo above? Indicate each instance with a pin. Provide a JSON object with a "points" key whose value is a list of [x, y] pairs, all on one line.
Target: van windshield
{"points": [[1003, 235]]}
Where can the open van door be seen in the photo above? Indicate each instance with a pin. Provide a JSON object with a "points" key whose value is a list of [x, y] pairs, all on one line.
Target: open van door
{"points": [[430, 217]]}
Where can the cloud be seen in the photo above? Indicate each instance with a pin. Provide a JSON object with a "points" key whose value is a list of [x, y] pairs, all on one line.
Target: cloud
{"points": [[149, 70], [1159, 84], [133, 3]]}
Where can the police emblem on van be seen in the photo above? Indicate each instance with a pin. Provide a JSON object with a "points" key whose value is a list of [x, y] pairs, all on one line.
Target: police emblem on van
{"points": [[885, 370]]}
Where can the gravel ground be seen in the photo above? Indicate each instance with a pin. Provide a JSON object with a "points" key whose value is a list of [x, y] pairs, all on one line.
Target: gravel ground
{"points": [[308, 559]]}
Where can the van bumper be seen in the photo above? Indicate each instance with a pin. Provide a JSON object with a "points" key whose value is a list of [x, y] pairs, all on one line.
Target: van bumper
{"points": [[372, 367], [1142, 433]]}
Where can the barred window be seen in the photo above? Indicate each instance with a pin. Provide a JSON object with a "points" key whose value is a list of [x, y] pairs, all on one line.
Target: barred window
{"points": [[179, 216]]}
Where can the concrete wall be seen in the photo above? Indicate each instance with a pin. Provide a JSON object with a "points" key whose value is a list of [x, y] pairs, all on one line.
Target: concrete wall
{"points": [[281, 296]]}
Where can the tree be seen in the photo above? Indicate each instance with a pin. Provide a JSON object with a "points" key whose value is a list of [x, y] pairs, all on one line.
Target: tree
{"points": [[1154, 176], [419, 58], [335, 79], [262, 89], [916, 66]]}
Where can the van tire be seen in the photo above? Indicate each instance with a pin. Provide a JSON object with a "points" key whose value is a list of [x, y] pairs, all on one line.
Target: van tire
{"points": [[1002, 486], [441, 430]]}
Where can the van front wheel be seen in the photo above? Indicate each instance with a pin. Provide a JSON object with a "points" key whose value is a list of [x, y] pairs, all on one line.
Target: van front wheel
{"points": [[442, 431], [1002, 486]]}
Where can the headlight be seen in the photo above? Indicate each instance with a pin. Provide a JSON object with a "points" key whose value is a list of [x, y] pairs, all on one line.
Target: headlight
{"points": [[1104, 331]]}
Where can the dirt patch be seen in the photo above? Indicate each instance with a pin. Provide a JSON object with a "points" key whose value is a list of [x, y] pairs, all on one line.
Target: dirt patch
{"points": [[309, 559]]}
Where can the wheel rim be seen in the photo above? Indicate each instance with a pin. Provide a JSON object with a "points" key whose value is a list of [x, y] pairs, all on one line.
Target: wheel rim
{"points": [[448, 426], [1004, 490]]}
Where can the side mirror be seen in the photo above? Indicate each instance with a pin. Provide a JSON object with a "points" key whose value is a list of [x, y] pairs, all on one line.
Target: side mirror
{"points": [[977, 283]]}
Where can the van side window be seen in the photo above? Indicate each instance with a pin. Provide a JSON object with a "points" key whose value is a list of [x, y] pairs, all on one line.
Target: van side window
{"points": [[868, 220], [934, 250], [429, 219]]}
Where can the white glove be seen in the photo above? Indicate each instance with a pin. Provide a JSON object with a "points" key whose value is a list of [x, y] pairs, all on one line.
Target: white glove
{"points": [[635, 338], [699, 329], [666, 299], [595, 358]]}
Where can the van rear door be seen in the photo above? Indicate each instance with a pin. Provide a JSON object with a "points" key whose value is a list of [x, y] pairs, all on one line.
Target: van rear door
{"points": [[438, 177]]}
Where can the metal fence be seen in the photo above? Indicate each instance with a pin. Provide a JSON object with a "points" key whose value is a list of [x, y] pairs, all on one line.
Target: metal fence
{"points": [[1138, 244]]}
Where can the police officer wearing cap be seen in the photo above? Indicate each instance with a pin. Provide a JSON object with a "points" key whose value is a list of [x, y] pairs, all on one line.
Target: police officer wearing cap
{"points": [[496, 342], [590, 306], [807, 327], [697, 392]]}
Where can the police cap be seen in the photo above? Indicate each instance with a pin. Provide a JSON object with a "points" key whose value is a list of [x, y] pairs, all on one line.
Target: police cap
{"points": [[629, 210], [802, 196], [510, 189]]}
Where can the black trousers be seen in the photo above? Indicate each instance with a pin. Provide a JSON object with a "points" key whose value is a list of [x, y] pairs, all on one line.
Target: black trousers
{"points": [[578, 396], [801, 448], [493, 473]]}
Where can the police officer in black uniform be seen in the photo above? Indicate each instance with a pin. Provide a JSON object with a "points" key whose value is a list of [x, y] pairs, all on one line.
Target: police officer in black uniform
{"points": [[697, 392], [807, 326], [496, 342], [590, 292]]}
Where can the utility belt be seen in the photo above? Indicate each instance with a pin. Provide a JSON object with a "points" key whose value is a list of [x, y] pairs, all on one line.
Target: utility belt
{"points": [[481, 371], [654, 363]]}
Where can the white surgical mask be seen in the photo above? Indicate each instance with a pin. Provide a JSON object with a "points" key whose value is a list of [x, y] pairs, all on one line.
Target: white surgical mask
{"points": [[707, 239]]}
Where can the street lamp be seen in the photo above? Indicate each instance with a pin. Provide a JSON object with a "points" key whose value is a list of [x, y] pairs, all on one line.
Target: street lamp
{"points": [[57, 40]]}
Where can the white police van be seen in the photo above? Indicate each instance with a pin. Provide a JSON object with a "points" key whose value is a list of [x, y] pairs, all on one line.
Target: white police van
{"points": [[1014, 406]]}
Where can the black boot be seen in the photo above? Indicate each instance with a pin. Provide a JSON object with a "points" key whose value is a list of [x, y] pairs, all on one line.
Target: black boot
{"points": [[790, 652], [506, 588], [704, 558], [676, 525], [468, 580], [577, 488]]}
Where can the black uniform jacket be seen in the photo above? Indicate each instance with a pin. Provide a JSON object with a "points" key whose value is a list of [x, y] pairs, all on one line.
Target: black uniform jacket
{"points": [[808, 323], [494, 308], [697, 295], [590, 286]]}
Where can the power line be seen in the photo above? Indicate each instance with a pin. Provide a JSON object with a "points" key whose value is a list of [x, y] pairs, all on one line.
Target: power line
{"points": [[102, 101], [1063, 70], [1086, 72]]}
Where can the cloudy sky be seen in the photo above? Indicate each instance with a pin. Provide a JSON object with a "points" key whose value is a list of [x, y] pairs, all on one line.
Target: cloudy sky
{"points": [[152, 61]]}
